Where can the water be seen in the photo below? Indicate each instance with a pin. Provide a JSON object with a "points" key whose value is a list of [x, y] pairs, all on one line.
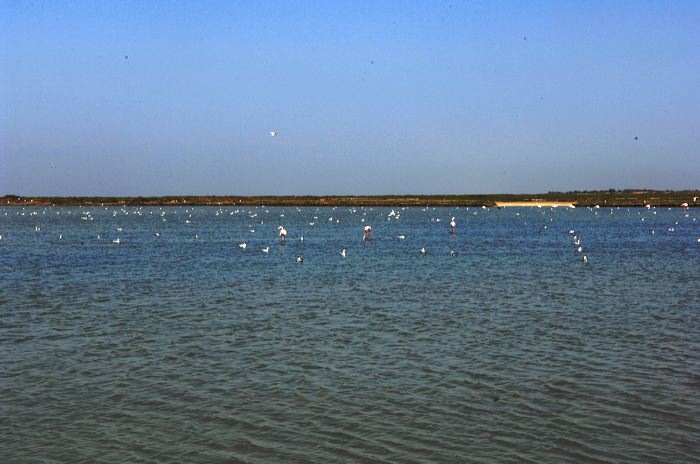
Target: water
{"points": [[175, 349]]}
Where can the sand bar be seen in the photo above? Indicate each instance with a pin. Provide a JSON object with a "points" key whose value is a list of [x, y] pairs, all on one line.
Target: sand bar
{"points": [[548, 204]]}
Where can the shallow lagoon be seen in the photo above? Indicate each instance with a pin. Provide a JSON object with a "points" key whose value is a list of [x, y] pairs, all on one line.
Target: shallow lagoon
{"points": [[184, 348]]}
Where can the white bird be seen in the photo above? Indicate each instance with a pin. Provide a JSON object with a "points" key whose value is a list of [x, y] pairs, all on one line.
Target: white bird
{"points": [[454, 253], [283, 233], [119, 229], [243, 245], [368, 231], [344, 253], [300, 259], [422, 251], [117, 241], [579, 249], [60, 237], [585, 259], [1, 238], [266, 249], [453, 225], [157, 234], [401, 237], [37, 228], [301, 239], [273, 133]]}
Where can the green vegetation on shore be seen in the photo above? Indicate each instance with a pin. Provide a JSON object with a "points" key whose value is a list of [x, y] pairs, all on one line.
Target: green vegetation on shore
{"points": [[579, 198]]}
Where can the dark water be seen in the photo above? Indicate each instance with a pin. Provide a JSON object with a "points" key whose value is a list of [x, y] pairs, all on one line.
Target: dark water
{"points": [[175, 349]]}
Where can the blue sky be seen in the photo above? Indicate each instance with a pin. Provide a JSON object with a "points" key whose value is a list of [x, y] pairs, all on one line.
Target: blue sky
{"points": [[154, 98]]}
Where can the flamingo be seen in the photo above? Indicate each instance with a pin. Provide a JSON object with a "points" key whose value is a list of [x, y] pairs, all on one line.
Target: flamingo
{"points": [[283, 234]]}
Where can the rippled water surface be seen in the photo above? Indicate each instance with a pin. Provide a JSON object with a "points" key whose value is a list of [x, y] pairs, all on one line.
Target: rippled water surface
{"points": [[184, 347]]}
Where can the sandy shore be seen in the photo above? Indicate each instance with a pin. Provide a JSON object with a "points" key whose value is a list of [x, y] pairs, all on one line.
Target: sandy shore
{"points": [[547, 204]]}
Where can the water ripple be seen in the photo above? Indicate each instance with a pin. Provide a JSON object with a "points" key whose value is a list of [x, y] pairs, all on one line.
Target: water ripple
{"points": [[171, 349]]}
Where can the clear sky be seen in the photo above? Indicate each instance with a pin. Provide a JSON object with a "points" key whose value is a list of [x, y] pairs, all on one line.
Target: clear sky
{"points": [[155, 98]]}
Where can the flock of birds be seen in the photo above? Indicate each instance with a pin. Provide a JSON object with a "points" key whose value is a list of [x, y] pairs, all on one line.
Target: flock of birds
{"points": [[576, 241], [366, 236], [282, 231]]}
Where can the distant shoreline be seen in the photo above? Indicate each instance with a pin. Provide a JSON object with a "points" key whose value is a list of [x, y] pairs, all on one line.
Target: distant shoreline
{"points": [[609, 198]]}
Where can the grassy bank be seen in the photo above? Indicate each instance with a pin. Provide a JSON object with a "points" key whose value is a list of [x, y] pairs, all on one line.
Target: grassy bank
{"points": [[578, 198]]}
